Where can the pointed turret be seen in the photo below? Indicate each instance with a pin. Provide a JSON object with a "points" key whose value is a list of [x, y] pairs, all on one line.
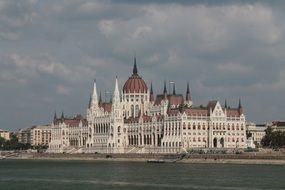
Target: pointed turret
{"points": [[151, 97], [188, 100], [240, 107], [174, 92], [188, 96], [94, 101], [226, 104], [62, 116], [135, 69], [116, 97], [55, 116]]}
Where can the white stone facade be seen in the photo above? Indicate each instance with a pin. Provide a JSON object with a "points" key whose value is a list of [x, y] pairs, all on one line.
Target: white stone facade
{"points": [[137, 122], [68, 135]]}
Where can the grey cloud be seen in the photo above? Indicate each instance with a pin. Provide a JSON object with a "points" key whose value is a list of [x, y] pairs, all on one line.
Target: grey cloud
{"points": [[52, 50]]}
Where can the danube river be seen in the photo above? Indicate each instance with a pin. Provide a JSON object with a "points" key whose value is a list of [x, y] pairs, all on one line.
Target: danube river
{"points": [[69, 175]]}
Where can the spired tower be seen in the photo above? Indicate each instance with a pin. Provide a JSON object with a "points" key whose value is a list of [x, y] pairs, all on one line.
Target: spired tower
{"points": [[92, 111], [116, 139], [136, 97]]}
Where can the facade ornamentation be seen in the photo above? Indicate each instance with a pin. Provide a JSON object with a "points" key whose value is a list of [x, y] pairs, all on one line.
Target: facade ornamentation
{"points": [[138, 122]]}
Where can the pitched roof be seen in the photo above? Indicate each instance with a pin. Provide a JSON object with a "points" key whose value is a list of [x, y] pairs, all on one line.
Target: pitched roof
{"points": [[107, 107]]}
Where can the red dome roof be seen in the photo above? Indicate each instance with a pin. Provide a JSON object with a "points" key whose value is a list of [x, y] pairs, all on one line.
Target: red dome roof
{"points": [[135, 84]]}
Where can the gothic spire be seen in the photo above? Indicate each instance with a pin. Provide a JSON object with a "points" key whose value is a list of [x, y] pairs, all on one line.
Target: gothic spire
{"points": [[239, 104], [135, 69], [226, 104], [174, 93], [116, 97], [94, 95], [62, 115], [55, 117], [188, 97], [240, 107], [151, 97]]}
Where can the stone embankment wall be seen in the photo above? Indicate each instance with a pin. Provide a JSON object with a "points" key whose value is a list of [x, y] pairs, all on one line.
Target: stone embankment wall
{"points": [[136, 157]]}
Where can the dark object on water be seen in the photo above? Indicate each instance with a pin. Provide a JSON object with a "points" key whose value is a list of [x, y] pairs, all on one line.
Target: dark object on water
{"points": [[155, 161], [108, 156]]}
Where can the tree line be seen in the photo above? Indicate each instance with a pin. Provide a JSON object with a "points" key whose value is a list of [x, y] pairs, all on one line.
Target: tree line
{"points": [[13, 144], [273, 139]]}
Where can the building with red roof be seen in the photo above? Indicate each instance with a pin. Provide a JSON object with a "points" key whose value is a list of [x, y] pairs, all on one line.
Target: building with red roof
{"points": [[138, 121]]}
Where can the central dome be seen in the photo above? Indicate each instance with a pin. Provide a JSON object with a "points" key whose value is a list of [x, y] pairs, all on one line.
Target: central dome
{"points": [[135, 84]]}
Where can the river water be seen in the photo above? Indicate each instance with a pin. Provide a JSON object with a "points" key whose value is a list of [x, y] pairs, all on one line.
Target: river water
{"points": [[103, 175]]}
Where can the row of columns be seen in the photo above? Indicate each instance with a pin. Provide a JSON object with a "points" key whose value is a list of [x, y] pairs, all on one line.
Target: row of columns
{"points": [[140, 140]]}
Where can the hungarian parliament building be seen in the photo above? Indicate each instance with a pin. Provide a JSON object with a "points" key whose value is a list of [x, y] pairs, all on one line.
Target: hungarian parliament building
{"points": [[137, 121]]}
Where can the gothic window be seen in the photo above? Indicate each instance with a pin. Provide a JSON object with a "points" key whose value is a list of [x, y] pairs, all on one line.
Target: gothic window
{"points": [[132, 110], [119, 129], [137, 110]]}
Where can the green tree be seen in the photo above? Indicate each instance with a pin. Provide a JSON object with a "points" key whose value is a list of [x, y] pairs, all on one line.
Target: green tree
{"points": [[266, 140], [2, 142], [273, 139]]}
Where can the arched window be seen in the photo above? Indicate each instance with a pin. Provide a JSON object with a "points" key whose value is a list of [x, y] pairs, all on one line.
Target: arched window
{"points": [[137, 110], [132, 110], [119, 129]]}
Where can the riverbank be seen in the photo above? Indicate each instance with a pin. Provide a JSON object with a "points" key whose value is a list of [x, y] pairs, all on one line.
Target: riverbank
{"points": [[201, 159]]}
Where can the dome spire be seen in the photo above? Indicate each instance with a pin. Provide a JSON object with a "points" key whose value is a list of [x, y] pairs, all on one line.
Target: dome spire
{"points": [[135, 69]]}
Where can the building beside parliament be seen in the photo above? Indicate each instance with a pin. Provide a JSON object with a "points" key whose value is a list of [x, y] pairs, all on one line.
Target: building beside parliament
{"points": [[137, 121]]}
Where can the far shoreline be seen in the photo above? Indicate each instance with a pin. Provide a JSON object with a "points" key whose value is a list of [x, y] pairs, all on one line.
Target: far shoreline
{"points": [[195, 159]]}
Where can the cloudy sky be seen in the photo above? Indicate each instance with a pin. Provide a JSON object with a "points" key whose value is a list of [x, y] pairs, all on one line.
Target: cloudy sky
{"points": [[50, 52]]}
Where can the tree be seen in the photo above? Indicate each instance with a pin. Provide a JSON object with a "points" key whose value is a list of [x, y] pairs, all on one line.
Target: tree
{"points": [[2, 142], [273, 139], [266, 140]]}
